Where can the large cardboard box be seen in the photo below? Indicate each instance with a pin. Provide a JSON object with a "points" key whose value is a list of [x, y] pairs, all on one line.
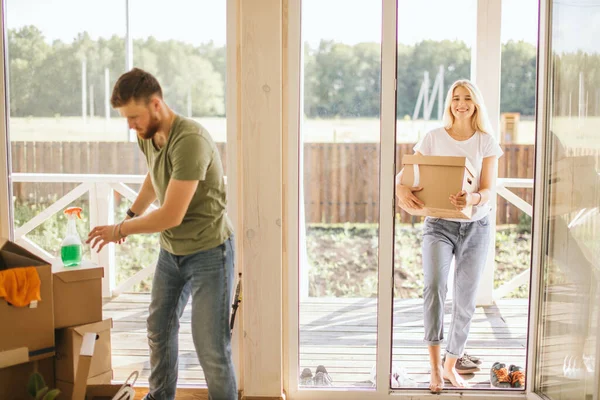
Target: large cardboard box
{"points": [[13, 380], [85, 354], [82, 389], [572, 185], [439, 177], [68, 345], [27, 333], [95, 386], [77, 294]]}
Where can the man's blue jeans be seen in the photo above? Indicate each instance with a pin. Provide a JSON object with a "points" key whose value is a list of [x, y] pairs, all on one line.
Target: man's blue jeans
{"points": [[207, 276]]}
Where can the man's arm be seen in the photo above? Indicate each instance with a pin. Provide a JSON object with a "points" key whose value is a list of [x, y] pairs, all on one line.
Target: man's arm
{"points": [[191, 159], [177, 200], [145, 197]]}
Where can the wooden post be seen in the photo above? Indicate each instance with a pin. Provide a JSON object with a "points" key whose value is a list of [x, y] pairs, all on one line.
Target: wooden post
{"points": [[102, 212], [260, 169]]}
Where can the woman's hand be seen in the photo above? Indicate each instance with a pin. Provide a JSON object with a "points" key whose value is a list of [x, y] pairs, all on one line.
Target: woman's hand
{"points": [[406, 198], [462, 200]]}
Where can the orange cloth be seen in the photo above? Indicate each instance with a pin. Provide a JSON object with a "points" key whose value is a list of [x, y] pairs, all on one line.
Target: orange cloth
{"points": [[20, 286]]}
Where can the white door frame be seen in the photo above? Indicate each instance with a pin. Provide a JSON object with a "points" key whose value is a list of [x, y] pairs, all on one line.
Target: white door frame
{"points": [[5, 181], [387, 170], [232, 158], [543, 97]]}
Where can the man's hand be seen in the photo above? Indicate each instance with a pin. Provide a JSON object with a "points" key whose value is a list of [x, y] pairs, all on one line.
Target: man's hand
{"points": [[122, 240], [103, 235]]}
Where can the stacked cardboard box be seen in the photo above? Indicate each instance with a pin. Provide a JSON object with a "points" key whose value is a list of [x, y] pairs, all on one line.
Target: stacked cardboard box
{"points": [[46, 336], [77, 311]]}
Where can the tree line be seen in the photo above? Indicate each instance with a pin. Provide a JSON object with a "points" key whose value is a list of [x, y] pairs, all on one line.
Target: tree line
{"points": [[340, 80]]}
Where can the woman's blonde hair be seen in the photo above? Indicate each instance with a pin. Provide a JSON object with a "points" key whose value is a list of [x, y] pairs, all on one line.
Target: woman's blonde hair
{"points": [[479, 120]]}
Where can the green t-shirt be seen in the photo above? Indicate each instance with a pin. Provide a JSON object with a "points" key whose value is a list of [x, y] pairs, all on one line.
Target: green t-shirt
{"points": [[191, 154]]}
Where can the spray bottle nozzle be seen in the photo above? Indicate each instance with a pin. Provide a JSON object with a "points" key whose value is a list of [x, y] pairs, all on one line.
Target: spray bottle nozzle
{"points": [[72, 211]]}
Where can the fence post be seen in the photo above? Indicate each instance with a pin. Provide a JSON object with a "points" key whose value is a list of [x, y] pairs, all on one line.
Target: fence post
{"points": [[102, 212]]}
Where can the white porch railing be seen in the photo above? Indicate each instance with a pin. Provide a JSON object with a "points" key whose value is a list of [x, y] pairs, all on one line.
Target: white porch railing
{"points": [[101, 188], [502, 189]]}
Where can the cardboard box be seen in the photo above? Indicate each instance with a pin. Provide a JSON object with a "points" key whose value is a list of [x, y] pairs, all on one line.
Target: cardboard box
{"points": [[101, 392], [95, 386], [439, 177], [572, 183], [68, 345], [81, 390], [27, 333], [13, 380], [77, 294]]}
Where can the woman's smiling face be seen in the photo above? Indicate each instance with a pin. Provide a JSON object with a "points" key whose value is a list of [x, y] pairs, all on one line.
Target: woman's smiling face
{"points": [[462, 106]]}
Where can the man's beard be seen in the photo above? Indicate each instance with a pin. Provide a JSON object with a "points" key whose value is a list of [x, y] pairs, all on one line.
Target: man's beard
{"points": [[151, 130]]}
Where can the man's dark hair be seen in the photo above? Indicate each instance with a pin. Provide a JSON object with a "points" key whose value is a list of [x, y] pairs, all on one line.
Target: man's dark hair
{"points": [[136, 84]]}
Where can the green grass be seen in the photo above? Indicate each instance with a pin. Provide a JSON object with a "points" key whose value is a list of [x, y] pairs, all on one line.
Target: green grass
{"points": [[343, 259], [336, 130], [573, 132], [73, 129]]}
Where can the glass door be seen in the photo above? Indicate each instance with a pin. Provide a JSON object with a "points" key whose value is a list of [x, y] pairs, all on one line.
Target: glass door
{"points": [[569, 347]]}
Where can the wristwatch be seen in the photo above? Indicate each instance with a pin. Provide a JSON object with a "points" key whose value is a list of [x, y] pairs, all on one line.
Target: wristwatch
{"points": [[130, 213]]}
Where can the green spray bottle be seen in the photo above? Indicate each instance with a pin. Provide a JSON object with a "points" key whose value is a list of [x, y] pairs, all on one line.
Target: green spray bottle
{"points": [[71, 248]]}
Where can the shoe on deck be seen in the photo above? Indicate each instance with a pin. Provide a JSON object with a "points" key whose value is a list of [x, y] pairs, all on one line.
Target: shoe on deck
{"points": [[517, 376], [322, 378], [306, 377], [499, 376], [473, 359], [464, 366]]}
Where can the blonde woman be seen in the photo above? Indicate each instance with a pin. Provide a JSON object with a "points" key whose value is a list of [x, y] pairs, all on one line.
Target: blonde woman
{"points": [[465, 133]]}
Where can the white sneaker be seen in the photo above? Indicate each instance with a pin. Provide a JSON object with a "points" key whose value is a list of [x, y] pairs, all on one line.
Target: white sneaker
{"points": [[398, 379], [574, 368]]}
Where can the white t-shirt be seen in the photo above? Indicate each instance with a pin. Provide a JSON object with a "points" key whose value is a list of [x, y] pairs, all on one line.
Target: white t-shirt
{"points": [[479, 146]]}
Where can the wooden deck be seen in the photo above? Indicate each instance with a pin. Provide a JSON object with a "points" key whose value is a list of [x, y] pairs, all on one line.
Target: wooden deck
{"points": [[339, 334]]}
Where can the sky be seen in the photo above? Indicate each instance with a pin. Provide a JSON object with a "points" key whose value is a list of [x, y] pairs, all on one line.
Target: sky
{"points": [[348, 21]]}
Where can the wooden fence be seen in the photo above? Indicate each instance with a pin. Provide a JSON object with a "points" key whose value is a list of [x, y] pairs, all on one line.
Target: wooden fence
{"points": [[341, 180], [75, 158]]}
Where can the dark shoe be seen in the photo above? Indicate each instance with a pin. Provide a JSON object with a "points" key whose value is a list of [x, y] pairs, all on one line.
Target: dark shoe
{"points": [[517, 376], [473, 359], [463, 365], [499, 376], [322, 378], [306, 378]]}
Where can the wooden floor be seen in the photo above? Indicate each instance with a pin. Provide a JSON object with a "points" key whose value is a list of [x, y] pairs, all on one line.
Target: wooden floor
{"points": [[339, 334]]}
